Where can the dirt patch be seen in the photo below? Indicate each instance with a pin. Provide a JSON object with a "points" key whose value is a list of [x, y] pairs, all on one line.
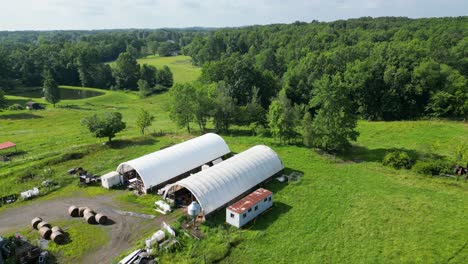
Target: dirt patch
{"points": [[123, 231]]}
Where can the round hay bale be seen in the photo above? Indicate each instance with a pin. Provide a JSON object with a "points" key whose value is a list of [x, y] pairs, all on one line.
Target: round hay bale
{"points": [[56, 229], [45, 232], [90, 218], [35, 222], [81, 211], [88, 211], [101, 219], [58, 237], [73, 211], [43, 224]]}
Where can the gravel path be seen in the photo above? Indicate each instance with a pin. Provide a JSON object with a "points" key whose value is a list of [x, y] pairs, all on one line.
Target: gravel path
{"points": [[122, 234]]}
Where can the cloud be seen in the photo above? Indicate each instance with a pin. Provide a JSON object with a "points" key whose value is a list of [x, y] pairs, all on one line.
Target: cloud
{"points": [[95, 14]]}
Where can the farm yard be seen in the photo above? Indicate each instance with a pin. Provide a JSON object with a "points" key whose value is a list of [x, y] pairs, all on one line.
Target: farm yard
{"points": [[347, 208]]}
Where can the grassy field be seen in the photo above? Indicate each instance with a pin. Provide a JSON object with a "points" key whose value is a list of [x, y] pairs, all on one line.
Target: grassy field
{"points": [[347, 209], [74, 249], [181, 66]]}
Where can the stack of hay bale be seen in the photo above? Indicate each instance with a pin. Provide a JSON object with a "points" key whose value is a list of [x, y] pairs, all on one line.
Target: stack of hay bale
{"points": [[45, 231], [88, 214]]}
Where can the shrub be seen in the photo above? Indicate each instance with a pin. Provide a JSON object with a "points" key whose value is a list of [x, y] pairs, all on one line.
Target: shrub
{"points": [[397, 160], [433, 167], [16, 107]]}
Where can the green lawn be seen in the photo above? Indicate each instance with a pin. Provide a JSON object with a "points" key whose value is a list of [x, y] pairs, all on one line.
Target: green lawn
{"points": [[181, 66], [346, 209]]}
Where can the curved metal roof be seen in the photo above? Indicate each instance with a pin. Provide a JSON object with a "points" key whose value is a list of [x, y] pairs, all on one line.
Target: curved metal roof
{"points": [[227, 180], [163, 165]]}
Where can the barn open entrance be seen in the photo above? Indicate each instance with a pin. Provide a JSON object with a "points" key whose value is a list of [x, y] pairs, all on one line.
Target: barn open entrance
{"points": [[132, 179], [180, 196]]}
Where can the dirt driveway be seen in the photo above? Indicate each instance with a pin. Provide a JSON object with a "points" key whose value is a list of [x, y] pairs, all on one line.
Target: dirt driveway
{"points": [[122, 234]]}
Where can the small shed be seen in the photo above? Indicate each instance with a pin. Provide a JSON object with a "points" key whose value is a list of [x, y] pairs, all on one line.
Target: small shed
{"points": [[249, 207], [111, 179]]}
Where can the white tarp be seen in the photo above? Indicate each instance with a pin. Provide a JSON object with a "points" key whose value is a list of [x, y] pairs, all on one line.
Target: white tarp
{"points": [[221, 183], [163, 165]]}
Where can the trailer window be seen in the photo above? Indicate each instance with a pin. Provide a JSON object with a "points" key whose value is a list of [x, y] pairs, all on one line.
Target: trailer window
{"points": [[244, 215]]}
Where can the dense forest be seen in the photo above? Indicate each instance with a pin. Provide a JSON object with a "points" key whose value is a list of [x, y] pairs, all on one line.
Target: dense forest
{"points": [[391, 68], [312, 79], [80, 57]]}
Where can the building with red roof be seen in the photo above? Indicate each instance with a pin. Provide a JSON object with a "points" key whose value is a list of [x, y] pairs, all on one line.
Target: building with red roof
{"points": [[249, 207]]}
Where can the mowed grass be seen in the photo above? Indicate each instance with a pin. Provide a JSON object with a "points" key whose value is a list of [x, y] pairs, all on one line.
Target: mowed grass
{"points": [[347, 209], [181, 66]]}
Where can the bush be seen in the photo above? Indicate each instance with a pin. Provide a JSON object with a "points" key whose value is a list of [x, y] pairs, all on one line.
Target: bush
{"points": [[16, 107], [433, 167], [397, 160]]}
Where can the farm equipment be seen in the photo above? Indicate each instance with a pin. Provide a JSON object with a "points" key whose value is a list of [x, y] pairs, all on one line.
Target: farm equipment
{"points": [[16, 248]]}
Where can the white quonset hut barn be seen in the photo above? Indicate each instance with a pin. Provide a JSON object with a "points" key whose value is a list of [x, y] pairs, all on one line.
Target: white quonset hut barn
{"points": [[172, 163], [217, 186], [249, 207]]}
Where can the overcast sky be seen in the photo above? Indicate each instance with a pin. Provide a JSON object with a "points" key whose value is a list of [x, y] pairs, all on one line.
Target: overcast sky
{"points": [[105, 14]]}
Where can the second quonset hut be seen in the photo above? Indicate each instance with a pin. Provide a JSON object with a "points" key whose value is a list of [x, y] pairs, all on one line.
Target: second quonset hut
{"points": [[219, 185], [156, 169]]}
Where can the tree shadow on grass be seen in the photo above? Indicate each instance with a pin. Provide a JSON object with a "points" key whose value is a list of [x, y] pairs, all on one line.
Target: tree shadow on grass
{"points": [[361, 153], [265, 219], [218, 218], [19, 116], [124, 143]]}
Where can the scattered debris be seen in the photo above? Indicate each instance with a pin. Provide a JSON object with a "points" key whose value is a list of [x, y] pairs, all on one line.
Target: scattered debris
{"points": [[281, 178], [138, 256], [157, 237], [162, 207], [294, 176], [168, 229], [30, 193]]}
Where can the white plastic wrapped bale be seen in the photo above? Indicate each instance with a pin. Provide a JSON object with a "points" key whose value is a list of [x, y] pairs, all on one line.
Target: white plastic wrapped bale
{"points": [[162, 207]]}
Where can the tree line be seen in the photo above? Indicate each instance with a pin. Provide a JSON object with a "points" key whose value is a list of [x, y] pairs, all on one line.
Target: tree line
{"points": [[80, 58], [315, 80], [395, 68]]}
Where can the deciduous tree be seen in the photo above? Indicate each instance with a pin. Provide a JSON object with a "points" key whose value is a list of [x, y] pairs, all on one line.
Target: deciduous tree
{"points": [[106, 125]]}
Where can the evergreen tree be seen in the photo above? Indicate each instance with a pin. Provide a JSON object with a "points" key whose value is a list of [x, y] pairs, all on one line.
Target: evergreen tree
{"points": [[149, 74], [50, 89], [3, 102], [165, 77]]}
